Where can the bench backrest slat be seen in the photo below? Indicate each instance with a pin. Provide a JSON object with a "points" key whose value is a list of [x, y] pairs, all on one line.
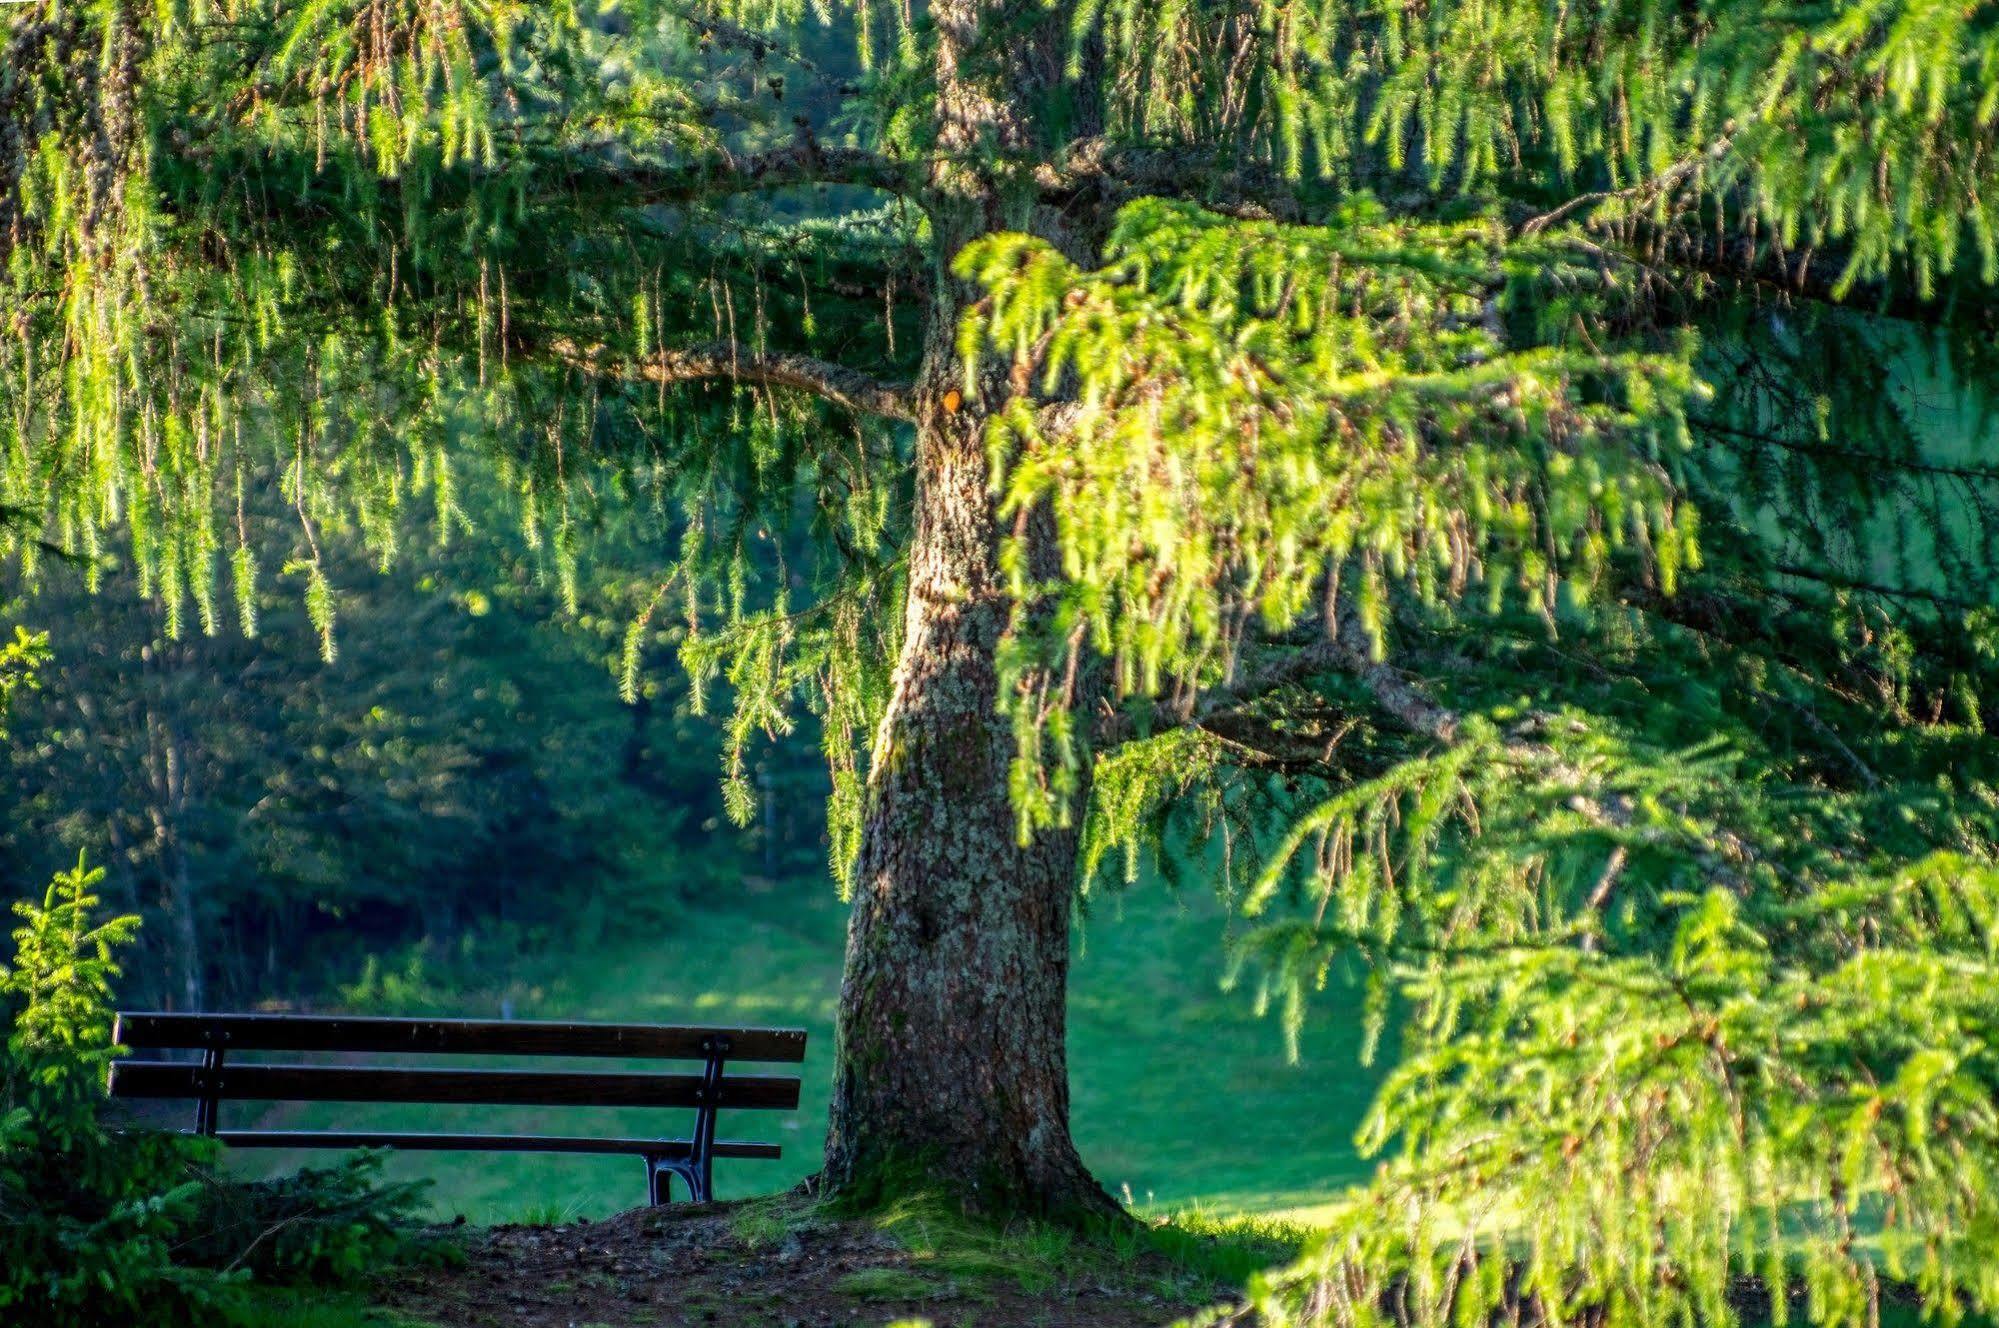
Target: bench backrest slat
{"points": [[339, 1083], [254, 1032]]}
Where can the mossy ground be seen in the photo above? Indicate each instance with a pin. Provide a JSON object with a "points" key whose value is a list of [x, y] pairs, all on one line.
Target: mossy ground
{"points": [[786, 1262]]}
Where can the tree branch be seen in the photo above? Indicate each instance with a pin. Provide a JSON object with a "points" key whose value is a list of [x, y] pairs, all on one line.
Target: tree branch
{"points": [[1644, 191], [1819, 447], [1528, 745], [1818, 276], [1344, 651], [1350, 648], [1911, 594], [848, 388], [1196, 174], [803, 162]]}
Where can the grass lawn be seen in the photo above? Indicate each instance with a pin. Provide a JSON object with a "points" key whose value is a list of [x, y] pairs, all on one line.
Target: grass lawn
{"points": [[314, 1307], [1182, 1096]]}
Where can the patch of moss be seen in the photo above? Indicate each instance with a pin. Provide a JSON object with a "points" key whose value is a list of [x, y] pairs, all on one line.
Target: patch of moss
{"points": [[761, 1223], [877, 1284], [940, 1237], [1191, 1255]]}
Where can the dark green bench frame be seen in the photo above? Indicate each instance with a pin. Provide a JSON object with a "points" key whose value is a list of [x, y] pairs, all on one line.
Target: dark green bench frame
{"points": [[214, 1080]]}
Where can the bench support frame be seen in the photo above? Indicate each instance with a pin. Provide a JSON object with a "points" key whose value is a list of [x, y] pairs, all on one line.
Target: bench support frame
{"points": [[208, 1108], [697, 1168]]}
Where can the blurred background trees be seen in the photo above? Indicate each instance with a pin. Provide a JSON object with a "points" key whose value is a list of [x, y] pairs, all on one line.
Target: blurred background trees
{"points": [[465, 770]]}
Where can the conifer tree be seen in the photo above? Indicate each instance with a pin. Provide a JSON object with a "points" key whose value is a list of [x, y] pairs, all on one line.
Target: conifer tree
{"points": [[1420, 447]]}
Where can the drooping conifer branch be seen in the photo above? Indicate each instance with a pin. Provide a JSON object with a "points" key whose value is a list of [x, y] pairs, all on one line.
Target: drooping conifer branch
{"points": [[847, 388], [1660, 185], [1290, 427], [1227, 184], [1867, 457]]}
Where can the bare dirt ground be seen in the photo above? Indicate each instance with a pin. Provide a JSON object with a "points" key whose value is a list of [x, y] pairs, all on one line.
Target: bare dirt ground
{"points": [[778, 1264]]}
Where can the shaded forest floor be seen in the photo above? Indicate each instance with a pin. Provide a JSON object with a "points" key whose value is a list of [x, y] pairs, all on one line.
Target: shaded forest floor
{"points": [[781, 1263]]}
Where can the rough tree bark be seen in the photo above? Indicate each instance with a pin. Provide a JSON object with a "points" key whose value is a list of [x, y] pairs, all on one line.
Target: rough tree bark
{"points": [[952, 1062]]}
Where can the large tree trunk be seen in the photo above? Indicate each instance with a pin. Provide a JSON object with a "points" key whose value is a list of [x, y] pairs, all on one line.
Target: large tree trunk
{"points": [[952, 1064]]}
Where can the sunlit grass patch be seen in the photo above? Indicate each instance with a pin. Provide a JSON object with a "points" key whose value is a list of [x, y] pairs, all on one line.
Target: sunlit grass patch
{"points": [[1229, 1250], [547, 1213]]}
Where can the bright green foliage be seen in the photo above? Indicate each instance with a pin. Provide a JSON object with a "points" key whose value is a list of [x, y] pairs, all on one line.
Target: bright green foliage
{"points": [[405, 251], [59, 994], [1847, 124], [20, 659], [1713, 1088], [90, 1220], [1273, 419], [835, 652], [98, 1227], [1715, 1007]]}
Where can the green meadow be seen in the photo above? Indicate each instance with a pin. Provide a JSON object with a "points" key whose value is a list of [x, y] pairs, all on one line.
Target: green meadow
{"points": [[1184, 1096]]}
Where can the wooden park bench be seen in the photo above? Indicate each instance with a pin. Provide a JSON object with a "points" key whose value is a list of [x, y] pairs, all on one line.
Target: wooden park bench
{"points": [[222, 1076]]}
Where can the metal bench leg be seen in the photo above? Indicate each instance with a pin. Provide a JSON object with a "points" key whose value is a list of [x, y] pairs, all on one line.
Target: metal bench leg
{"points": [[698, 1167], [660, 1172], [701, 1159], [209, 1107]]}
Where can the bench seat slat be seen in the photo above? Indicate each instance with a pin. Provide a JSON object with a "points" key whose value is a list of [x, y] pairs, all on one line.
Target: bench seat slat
{"points": [[526, 1088], [480, 1143], [497, 1037]]}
